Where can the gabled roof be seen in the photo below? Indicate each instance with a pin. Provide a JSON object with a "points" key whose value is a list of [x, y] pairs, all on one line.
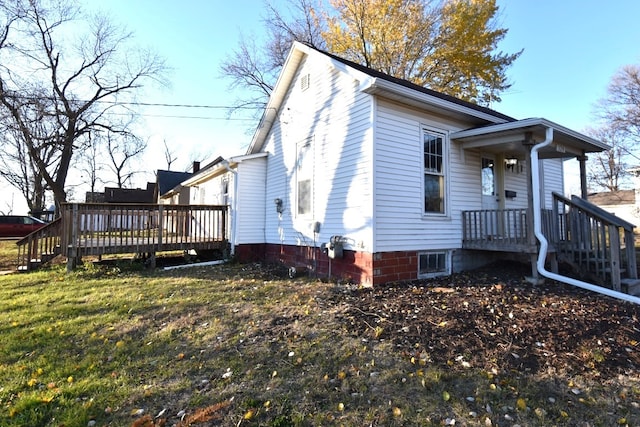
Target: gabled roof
{"points": [[372, 82]]}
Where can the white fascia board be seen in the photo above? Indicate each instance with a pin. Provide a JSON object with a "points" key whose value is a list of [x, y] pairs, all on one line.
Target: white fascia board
{"points": [[298, 50], [239, 159], [220, 168], [205, 176], [385, 85]]}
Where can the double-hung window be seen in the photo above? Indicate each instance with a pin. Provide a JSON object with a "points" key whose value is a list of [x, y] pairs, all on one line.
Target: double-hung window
{"points": [[435, 161], [304, 178]]}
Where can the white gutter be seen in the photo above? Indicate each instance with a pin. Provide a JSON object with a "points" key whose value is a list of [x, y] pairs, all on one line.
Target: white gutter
{"points": [[537, 227], [234, 216]]}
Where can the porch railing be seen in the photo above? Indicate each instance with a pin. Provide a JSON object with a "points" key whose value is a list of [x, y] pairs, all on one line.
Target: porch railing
{"points": [[496, 229], [597, 244]]}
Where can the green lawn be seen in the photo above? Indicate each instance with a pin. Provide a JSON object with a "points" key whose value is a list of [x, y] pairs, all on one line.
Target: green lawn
{"points": [[236, 345]]}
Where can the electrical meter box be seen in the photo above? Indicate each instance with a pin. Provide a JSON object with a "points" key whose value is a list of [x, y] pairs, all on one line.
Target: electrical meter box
{"points": [[333, 249]]}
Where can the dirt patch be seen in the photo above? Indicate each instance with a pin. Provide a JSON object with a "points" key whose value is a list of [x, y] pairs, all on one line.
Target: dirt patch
{"points": [[493, 319]]}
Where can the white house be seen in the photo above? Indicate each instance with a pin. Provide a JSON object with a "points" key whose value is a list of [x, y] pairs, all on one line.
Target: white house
{"points": [[394, 174]]}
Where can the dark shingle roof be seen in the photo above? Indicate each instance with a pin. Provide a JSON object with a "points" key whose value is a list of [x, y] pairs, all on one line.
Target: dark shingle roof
{"points": [[167, 180]]}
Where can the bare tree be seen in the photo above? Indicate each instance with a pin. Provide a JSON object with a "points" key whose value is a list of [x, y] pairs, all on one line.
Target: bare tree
{"points": [[256, 67], [122, 150], [56, 91], [609, 169], [621, 106], [169, 155], [90, 164]]}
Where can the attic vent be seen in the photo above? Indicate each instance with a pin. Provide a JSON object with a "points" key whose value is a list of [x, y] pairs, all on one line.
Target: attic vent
{"points": [[305, 82]]}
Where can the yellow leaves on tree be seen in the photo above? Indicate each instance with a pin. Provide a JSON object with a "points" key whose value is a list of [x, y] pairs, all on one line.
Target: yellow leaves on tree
{"points": [[447, 46]]}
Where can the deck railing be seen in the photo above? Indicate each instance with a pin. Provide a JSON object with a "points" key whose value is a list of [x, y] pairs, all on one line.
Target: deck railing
{"points": [[106, 228], [101, 228]]}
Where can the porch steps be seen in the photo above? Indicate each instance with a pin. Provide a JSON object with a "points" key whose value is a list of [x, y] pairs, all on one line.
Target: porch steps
{"points": [[632, 285]]}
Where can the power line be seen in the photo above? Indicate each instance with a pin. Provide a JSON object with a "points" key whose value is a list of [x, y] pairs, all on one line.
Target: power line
{"points": [[145, 104]]}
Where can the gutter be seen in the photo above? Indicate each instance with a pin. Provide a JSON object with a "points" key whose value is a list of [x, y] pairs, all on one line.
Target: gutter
{"points": [[234, 216], [544, 244]]}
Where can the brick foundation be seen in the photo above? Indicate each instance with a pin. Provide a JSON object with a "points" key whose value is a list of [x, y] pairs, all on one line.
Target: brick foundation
{"points": [[358, 267]]}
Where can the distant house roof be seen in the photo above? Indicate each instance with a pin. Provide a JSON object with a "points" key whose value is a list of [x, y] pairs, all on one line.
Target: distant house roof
{"points": [[167, 180], [123, 195], [613, 198]]}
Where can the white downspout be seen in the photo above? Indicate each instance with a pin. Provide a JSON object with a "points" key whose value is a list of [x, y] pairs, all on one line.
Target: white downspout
{"points": [[234, 216], [537, 227]]}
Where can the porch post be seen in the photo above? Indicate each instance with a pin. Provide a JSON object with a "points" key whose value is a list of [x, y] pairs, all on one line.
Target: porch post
{"points": [[531, 238], [583, 175]]}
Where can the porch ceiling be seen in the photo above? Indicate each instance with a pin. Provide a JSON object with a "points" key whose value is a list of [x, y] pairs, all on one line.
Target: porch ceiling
{"points": [[508, 139]]}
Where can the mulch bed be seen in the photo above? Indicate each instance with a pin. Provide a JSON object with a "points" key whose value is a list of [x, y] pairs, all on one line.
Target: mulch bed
{"points": [[493, 319]]}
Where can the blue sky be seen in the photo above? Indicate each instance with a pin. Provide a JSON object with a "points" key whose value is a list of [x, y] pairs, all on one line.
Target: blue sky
{"points": [[571, 50]]}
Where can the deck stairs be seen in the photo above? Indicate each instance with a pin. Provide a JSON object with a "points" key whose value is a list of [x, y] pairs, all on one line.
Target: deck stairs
{"points": [[40, 247], [597, 245]]}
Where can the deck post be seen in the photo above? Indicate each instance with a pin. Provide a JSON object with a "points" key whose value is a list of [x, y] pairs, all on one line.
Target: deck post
{"points": [[583, 176], [72, 250], [614, 238]]}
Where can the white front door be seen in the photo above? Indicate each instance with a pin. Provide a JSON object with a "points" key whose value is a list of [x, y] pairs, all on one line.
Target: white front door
{"points": [[489, 183], [490, 201]]}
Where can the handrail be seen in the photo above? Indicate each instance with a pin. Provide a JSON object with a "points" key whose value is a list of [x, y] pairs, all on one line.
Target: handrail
{"points": [[40, 245], [592, 209], [597, 243]]}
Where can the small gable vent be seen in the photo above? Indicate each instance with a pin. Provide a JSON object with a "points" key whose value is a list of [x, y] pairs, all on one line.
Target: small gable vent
{"points": [[305, 82]]}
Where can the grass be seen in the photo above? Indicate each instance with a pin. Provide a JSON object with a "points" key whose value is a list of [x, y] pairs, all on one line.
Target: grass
{"points": [[236, 345]]}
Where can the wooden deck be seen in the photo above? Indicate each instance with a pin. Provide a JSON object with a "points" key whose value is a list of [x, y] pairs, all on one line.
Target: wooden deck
{"points": [[98, 229]]}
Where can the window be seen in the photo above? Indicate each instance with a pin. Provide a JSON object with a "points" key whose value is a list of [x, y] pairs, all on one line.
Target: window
{"points": [[431, 264], [304, 176], [434, 172], [488, 177]]}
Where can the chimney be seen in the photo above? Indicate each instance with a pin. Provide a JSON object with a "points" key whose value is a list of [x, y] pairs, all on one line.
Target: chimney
{"points": [[196, 166]]}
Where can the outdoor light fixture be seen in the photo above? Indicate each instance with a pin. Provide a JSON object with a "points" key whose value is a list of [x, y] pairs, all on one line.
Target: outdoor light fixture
{"points": [[511, 164]]}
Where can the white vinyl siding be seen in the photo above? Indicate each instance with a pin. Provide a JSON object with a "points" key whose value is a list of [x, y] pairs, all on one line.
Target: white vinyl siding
{"points": [[337, 117], [400, 220], [251, 200], [553, 172]]}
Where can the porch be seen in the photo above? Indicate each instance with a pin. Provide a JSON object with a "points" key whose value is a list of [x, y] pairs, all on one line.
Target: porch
{"points": [[97, 229], [598, 246]]}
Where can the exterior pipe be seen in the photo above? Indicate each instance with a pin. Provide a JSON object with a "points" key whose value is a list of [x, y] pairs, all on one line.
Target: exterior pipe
{"points": [[234, 216], [544, 244]]}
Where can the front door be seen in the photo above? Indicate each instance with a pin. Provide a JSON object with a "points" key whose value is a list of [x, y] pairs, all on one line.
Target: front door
{"points": [[489, 184], [490, 196]]}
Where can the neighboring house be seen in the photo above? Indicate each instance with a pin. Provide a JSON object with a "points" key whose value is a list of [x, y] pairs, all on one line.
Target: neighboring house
{"points": [[622, 203], [123, 195], [349, 158]]}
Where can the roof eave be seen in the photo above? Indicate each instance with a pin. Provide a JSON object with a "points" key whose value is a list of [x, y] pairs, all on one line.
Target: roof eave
{"points": [[591, 144], [377, 86]]}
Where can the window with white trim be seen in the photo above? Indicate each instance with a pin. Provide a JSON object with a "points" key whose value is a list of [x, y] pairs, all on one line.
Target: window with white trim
{"points": [[432, 264], [434, 162], [304, 178]]}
